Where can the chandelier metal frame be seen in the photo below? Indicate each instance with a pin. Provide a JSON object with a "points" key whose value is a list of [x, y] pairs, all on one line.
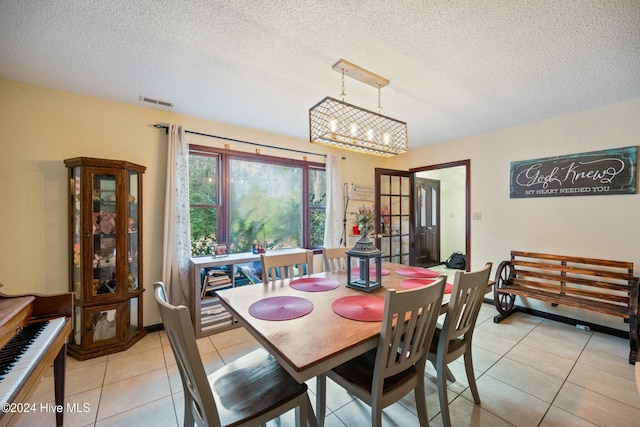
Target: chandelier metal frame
{"points": [[340, 124]]}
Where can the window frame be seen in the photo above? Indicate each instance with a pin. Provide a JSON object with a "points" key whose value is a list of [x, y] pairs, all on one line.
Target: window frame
{"points": [[224, 157]]}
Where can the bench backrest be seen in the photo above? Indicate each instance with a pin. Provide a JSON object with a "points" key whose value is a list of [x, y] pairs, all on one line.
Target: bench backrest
{"points": [[596, 279]]}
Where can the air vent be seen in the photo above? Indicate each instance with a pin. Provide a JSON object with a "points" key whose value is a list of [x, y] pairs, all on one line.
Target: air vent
{"points": [[157, 102]]}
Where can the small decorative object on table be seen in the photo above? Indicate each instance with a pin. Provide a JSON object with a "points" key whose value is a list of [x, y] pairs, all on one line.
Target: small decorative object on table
{"points": [[219, 251], [364, 251], [257, 248], [364, 218]]}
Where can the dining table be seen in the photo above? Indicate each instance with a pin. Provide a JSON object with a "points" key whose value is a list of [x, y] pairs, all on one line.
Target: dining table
{"points": [[298, 321]]}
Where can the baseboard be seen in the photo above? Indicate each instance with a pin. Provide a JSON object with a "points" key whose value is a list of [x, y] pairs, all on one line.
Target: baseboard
{"points": [[567, 320]]}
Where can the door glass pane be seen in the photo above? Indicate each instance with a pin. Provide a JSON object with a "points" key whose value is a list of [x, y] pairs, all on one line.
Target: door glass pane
{"points": [[406, 186], [265, 205], [434, 207], [395, 185], [385, 187], [406, 205]]}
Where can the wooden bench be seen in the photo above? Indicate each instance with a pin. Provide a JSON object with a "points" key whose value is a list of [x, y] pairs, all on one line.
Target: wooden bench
{"points": [[602, 286]]}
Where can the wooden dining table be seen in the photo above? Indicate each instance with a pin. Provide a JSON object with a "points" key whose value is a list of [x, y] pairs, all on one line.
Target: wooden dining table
{"points": [[320, 340]]}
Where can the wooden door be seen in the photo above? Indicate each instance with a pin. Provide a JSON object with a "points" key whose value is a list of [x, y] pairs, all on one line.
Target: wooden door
{"points": [[394, 226], [427, 221]]}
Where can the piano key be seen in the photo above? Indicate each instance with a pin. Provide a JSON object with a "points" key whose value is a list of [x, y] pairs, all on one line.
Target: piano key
{"points": [[22, 368]]}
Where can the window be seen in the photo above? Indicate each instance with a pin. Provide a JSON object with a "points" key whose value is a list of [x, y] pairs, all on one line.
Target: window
{"points": [[240, 199]]}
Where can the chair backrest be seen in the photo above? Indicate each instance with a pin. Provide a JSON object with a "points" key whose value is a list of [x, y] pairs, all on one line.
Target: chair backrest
{"points": [[403, 344], [277, 266], [335, 259], [177, 325], [467, 296]]}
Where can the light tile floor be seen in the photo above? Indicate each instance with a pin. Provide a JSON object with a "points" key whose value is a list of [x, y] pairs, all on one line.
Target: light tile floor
{"points": [[530, 372]]}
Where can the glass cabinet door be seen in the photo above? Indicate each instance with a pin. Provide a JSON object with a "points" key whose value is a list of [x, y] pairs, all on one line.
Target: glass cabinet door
{"points": [[104, 241], [133, 235], [76, 233]]}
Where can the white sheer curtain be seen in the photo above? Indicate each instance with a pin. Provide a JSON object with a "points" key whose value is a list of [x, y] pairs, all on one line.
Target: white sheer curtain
{"points": [[335, 201], [177, 244]]}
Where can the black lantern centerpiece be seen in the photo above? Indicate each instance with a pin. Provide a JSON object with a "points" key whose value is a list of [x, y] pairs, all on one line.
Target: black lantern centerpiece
{"points": [[368, 256]]}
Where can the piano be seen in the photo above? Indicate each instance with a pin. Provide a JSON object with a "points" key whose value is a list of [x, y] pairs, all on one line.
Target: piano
{"points": [[33, 336]]}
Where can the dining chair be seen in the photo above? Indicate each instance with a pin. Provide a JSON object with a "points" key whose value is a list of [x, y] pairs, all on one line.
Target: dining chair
{"points": [[454, 338], [396, 366], [249, 391], [277, 266], [335, 259]]}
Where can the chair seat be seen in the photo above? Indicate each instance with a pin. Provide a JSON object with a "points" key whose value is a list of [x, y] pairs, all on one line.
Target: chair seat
{"points": [[359, 372], [250, 386], [453, 345]]}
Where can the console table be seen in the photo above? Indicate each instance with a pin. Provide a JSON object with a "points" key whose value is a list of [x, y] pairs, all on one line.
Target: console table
{"points": [[197, 306]]}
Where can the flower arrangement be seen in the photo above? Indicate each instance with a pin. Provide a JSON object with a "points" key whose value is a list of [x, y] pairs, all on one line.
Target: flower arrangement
{"points": [[203, 245], [364, 217]]}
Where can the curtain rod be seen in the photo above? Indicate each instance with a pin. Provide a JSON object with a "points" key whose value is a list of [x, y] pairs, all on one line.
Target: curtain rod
{"points": [[166, 128]]}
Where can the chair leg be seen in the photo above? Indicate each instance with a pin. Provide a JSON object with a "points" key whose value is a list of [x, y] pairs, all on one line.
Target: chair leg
{"points": [[301, 412], [376, 415], [310, 418], [441, 368], [471, 377], [450, 377], [421, 404], [321, 398]]}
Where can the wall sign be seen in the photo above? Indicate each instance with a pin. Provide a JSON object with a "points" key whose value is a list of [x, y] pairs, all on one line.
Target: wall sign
{"points": [[586, 174], [363, 192]]}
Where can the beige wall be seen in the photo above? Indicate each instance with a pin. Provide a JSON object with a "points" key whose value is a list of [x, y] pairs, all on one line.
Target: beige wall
{"points": [[591, 226], [39, 128]]}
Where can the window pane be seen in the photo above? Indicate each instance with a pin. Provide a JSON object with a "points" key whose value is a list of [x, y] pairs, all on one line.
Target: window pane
{"points": [[317, 202], [203, 185], [203, 196], [204, 230], [265, 203]]}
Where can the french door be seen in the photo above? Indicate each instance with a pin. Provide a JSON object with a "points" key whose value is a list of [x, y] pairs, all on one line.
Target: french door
{"points": [[394, 225]]}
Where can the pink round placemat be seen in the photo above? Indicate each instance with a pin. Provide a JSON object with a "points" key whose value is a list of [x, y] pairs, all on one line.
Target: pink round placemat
{"points": [[314, 284], [280, 308], [417, 283], [372, 270], [366, 308], [417, 272]]}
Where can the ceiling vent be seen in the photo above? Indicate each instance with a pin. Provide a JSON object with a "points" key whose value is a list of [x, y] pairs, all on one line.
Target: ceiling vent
{"points": [[157, 102]]}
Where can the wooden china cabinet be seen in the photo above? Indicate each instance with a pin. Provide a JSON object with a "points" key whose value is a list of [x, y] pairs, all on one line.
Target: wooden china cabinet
{"points": [[105, 267]]}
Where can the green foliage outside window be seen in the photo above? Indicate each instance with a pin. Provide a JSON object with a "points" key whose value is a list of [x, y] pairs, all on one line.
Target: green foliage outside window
{"points": [[264, 200]]}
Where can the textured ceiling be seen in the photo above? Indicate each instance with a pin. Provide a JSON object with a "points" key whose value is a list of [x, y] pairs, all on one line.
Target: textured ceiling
{"points": [[457, 68]]}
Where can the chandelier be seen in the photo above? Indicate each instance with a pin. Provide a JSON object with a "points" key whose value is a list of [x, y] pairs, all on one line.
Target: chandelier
{"points": [[337, 123]]}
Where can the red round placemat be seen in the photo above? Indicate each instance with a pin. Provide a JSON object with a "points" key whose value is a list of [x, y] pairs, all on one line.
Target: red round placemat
{"points": [[417, 283], [314, 284], [417, 272], [366, 308], [280, 308], [372, 270]]}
